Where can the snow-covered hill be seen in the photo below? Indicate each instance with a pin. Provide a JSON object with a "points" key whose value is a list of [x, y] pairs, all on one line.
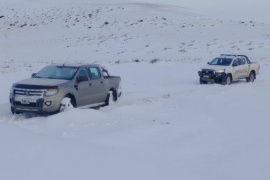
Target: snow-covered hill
{"points": [[241, 10], [121, 32], [166, 125]]}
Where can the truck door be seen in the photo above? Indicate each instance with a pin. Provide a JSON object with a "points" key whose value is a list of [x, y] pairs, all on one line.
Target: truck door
{"points": [[236, 69], [98, 85], [243, 67], [85, 90]]}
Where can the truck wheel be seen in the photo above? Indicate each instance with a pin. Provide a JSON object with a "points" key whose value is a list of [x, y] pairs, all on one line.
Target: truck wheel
{"points": [[13, 111], [66, 104], [251, 77], [203, 82], [227, 80], [111, 96]]}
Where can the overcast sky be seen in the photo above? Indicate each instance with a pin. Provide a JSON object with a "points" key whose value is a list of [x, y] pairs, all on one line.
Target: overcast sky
{"points": [[255, 10]]}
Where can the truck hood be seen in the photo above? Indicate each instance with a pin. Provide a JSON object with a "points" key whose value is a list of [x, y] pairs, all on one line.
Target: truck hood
{"points": [[41, 82], [214, 67]]}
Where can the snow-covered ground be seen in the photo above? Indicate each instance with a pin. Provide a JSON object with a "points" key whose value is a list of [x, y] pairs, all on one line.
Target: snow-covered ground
{"points": [[166, 125], [242, 10]]}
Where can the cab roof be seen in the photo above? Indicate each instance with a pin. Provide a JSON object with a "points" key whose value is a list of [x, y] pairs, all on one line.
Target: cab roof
{"points": [[74, 65]]}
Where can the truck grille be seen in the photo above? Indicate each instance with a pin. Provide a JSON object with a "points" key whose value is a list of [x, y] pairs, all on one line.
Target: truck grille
{"points": [[208, 72], [28, 92]]}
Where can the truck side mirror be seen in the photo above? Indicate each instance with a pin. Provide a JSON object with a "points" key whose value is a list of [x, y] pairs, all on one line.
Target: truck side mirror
{"points": [[82, 78], [208, 62], [33, 75]]}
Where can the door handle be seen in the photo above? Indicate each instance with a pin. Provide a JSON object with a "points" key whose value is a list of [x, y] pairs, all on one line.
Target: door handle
{"points": [[90, 84], [101, 82]]}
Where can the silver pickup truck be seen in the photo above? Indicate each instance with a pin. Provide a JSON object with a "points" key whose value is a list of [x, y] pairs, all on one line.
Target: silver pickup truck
{"points": [[49, 89]]}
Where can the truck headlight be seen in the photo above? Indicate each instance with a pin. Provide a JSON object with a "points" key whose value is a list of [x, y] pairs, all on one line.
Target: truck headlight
{"points": [[51, 92], [199, 70], [220, 71]]}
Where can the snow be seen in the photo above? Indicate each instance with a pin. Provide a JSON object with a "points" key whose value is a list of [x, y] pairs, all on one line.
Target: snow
{"points": [[165, 125], [241, 10]]}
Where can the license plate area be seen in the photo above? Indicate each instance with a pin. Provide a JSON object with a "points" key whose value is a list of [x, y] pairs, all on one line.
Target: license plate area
{"points": [[206, 76], [25, 101]]}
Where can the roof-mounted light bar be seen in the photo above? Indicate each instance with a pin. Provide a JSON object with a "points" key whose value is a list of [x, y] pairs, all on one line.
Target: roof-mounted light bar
{"points": [[229, 55]]}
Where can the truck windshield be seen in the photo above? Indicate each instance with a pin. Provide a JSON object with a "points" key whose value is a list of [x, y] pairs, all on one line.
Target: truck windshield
{"points": [[57, 72], [221, 61]]}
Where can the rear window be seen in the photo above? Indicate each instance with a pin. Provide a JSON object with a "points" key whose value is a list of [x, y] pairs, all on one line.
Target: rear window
{"points": [[95, 73]]}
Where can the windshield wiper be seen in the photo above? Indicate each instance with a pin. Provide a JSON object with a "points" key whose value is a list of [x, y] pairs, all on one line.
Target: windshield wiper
{"points": [[51, 78], [37, 77]]}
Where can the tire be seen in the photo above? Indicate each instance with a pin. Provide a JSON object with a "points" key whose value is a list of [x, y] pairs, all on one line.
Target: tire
{"points": [[111, 97], [66, 104], [114, 96], [227, 80], [203, 82], [13, 111], [251, 77]]}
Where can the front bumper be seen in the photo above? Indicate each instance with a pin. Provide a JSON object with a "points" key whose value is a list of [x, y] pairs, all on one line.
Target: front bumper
{"points": [[211, 76], [36, 105]]}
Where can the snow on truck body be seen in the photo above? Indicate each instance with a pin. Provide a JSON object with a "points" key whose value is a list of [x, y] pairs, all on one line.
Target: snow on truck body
{"points": [[45, 91], [227, 67]]}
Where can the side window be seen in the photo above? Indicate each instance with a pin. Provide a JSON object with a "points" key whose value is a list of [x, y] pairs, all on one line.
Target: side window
{"points": [[235, 62], [84, 72], [242, 61], [95, 74]]}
